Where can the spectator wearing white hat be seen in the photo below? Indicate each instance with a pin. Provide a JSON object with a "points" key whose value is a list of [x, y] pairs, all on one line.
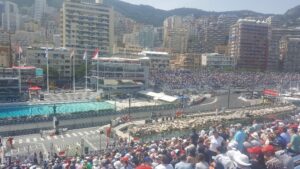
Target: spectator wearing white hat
{"points": [[242, 161]]}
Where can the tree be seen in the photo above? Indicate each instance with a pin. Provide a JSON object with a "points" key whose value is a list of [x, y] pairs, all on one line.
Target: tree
{"points": [[53, 73], [80, 71]]}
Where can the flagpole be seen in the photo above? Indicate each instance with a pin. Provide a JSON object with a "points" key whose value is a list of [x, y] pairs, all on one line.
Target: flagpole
{"points": [[97, 75], [85, 72], [47, 69], [74, 90], [20, 78]]}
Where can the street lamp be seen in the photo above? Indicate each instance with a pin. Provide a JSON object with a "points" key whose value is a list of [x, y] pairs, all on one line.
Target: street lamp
{"points": [[228, 103], [129, 105], [55, 120]]}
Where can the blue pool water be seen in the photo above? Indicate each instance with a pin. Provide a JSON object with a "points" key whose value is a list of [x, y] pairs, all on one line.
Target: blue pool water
{"points": [[32, 110]]}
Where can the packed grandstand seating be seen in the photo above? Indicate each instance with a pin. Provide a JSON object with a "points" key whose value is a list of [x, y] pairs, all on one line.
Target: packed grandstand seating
{"points": [[181, 79], [274, 145]]}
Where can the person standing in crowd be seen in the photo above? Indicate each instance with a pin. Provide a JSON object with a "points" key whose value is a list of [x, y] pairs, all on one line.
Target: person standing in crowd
{"points": [[214, 142], [35, 158], [240, 137], [164, 162], [223, 133], [183, 164], [279, 139], [281, 154], [201, 164], [194, 137], [126, 163], [241, 161], [146, 164], [222, 160], [41, 158], [272, 162], [294, 145], [285, 134], [256, 158]]}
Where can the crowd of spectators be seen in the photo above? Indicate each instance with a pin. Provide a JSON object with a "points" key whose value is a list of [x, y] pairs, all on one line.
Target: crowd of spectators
{"points": [[258, 146], [181, 79]]}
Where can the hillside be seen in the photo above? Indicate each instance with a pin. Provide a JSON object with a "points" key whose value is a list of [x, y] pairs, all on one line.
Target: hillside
{"points": [[28, 3], [293, 12], [150, 15]]}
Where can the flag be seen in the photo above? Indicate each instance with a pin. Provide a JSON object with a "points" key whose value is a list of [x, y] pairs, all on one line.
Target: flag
{"points": [[20, 50], [46, 53], [84, 55], [108, 131], [96, 54], [72, 53], [62, 153]]}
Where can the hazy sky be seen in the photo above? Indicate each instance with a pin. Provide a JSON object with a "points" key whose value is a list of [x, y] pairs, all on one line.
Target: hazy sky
{"points": [[265, 6]]}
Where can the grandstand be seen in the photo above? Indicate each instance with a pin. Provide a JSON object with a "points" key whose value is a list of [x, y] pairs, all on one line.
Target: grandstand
{"points": [[9, 83], [119, 75]]}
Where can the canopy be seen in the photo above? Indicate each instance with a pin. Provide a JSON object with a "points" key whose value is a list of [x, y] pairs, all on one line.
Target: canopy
{"points": [[159, 96], [35, 88], [23, 67]]}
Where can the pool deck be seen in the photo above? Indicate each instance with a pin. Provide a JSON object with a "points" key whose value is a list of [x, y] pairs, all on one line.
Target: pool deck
{"points": [[32, 103]]}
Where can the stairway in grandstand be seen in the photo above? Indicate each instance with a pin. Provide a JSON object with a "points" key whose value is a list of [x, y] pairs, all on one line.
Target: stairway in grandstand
{"points": [[67, 97]]}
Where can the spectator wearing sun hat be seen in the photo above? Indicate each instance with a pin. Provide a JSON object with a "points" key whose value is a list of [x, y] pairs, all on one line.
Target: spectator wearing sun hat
{"points": [[242, 161], [222, 160]]}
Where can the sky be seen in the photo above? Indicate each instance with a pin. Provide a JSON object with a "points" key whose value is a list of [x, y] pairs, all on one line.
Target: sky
{"points": [[264, 6]]}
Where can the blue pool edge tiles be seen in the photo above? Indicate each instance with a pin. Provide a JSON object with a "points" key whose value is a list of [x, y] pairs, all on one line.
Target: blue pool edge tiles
{"points": [[47, 109]]}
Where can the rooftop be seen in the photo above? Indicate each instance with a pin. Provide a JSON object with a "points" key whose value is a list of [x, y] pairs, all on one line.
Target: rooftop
{"points": [[116, 59], [153, 53]]}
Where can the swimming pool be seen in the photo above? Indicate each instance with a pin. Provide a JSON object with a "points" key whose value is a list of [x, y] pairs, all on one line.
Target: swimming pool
{"points": [[61, 108]]}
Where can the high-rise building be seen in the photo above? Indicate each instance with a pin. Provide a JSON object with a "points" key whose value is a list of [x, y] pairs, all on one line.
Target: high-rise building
{"points": [[59, 61], [275, 37], [158, 36], [217, 60], [39, 9], [131, 39], [157, 60], [175, 34], [248, 44], [187, 61], [215, 34], [290, 54], [143, 36], [87, 25], [146, 36], [56, 40], [227, 20], [122, 25], [9, 16], [206, 33], [5, 56], [274, 21]]}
